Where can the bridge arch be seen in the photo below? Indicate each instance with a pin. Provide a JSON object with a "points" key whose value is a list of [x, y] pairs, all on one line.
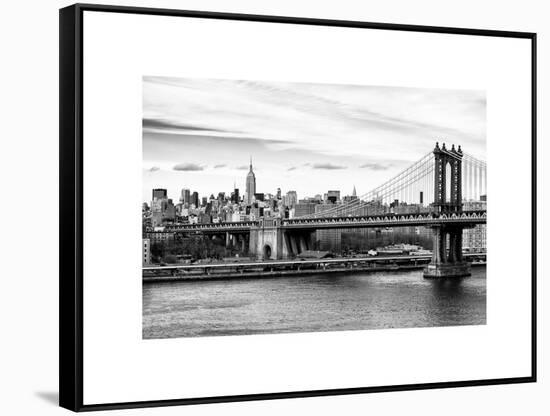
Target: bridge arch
{"points": [[267, 251], [448, 181]]}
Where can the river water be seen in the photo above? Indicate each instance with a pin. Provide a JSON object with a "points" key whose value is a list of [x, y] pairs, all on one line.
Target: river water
{"points": [[324, 302]]}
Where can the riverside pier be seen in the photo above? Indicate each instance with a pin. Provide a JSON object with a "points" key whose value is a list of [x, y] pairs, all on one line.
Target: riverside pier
{"points": [[276, 268]]}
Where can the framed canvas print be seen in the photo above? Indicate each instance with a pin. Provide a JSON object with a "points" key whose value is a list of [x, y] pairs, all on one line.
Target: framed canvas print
{"points": [[259, 207]]}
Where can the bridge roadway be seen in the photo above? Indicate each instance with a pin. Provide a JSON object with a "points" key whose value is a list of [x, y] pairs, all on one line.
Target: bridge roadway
{"points": [[372, 221], [282, 263]]}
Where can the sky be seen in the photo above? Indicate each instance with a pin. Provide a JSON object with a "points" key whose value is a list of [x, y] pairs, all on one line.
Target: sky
{"points": [[201, 133]]}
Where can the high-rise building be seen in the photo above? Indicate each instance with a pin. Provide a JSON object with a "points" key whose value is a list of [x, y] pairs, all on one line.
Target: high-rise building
{"points": [[278, 193], [321, 208], [159, 194], [330, 240], [161, 210], [475, 205], [352, 197], [235, 196], [250, 185], [170, 210], [304, 208], [195, 199], [185, 197], [333, 197], [291, 199]]}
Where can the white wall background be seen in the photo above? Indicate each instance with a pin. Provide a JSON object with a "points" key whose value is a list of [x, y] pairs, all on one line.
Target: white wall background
{"points": [[28, 208]]}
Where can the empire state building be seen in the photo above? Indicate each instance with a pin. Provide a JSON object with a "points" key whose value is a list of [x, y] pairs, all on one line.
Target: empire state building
{"points": [[250, 185]]}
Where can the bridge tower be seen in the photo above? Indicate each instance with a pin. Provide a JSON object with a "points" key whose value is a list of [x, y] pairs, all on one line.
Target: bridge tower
{"points": [[447, 258]]}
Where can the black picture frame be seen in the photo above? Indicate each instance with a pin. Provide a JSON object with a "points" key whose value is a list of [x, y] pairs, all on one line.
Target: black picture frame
{"points": [[71, 206]]}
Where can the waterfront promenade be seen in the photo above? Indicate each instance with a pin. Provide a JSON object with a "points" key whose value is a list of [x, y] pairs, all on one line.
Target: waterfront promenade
{"points": [[275, 268]]}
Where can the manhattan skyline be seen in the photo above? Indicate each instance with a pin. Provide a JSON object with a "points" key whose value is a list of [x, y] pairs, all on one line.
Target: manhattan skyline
{"points": [[201, 133]]}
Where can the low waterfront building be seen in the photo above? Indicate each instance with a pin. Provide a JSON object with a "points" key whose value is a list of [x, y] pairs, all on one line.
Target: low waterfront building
{"points": [[146, 259], [159, 236], [474, 239]]}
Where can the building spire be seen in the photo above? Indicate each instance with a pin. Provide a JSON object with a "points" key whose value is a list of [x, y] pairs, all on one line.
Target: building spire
{"points": [[250, 184], [354, 191]]}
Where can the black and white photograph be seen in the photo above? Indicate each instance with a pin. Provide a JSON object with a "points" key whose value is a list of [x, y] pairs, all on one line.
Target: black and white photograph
{"points": [[266, 208], [276, 207], [258, 207]]}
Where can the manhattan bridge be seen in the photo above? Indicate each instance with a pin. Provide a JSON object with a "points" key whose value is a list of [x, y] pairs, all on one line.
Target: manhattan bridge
{"points": [[438, 182]]}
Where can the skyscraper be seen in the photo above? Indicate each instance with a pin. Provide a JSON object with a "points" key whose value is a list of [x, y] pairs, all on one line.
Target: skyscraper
{"points": [[162, 209], [159, 194], [185, 197], [291, 199], [195, 199], [235, 196], [250, 185], [333, 197], [353, 196]]}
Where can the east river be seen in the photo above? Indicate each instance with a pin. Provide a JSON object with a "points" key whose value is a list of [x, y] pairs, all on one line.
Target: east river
{"points": [[324, 302]]}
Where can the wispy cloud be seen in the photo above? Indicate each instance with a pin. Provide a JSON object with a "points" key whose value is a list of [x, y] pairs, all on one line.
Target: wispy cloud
{"points": [[164, 124], [153, 169], [188, 167], [336, 132], [327, 166], [375, 166]]}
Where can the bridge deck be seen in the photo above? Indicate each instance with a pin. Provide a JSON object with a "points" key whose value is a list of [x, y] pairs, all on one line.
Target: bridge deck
{"points": [[372, 221]]}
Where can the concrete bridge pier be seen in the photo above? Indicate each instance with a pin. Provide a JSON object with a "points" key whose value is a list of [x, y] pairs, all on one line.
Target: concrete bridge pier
{"points": [[231, 240], [302, 243], [296, 242], [447, 258], [243, 243], [271, 241], [236, 240], [266, 239]]}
